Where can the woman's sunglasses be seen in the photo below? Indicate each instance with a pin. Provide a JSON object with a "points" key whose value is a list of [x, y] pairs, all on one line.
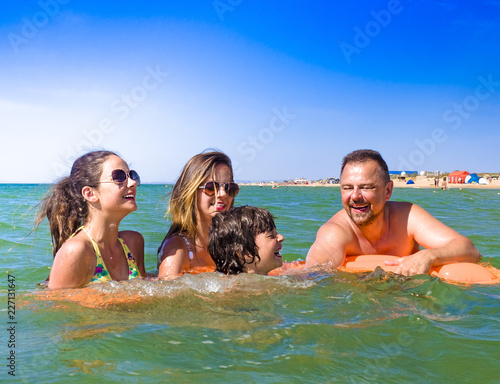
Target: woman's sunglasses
{"points": [[120, 176], [231, 189]]}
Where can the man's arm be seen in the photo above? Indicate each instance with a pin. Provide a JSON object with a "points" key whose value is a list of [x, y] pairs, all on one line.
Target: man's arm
{"points": [[442, 245], [329, 247]]}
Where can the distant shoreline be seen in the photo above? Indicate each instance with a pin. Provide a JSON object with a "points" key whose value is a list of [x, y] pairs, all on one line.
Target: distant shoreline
{"points": [[419, 184]]}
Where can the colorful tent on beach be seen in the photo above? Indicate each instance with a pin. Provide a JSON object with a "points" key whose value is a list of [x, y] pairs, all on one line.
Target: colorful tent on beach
{"points": [[472, 179], [483, 181], [458, 177]]}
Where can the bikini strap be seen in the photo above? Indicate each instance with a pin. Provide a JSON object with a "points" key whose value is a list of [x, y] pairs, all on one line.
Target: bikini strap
{"points": [[94, 244], [101, 273], [76, 232], [133, 270], [190, 254]]}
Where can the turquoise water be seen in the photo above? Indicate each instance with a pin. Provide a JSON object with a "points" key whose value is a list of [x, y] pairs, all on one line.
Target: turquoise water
{"points": [[322, 327]]}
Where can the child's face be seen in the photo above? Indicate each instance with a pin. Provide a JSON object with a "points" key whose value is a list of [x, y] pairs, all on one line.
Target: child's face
{"points": [[269, 245]]}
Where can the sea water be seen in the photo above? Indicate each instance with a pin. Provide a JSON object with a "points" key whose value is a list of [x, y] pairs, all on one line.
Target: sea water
{"points": [[323, 326]]}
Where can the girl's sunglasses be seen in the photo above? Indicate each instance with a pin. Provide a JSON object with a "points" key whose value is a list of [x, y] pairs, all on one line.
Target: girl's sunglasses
{"points": [[120, 176], [231, 189]]}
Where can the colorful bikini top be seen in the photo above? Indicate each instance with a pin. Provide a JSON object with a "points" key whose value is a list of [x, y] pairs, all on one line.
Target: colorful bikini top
{"points": [[101, 272]]}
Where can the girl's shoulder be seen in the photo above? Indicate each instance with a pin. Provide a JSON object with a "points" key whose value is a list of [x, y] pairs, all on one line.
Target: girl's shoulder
{"points": [[173, 245], [76, 246], [173, 257], [135, 243], [131, 237], [74, 264]]}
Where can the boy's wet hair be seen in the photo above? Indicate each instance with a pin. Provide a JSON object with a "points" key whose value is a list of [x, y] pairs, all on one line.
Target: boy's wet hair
{"points": [[231, 238]]}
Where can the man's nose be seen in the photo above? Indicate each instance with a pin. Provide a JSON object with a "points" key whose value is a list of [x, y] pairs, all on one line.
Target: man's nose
{"points": [[356, 193]]}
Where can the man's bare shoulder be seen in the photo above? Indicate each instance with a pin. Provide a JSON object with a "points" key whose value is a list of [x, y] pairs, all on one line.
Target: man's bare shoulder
{"points": [[412, 213], [400, 211], [399, 206], [339, 224], [332, 239]]}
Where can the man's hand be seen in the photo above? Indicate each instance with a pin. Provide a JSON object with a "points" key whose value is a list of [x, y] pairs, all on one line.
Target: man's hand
{"points": [[416, 264]]}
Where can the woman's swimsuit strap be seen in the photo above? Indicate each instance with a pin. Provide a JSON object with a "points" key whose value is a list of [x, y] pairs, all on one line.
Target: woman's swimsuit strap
{"points": [[101, 272], [190, 253]]}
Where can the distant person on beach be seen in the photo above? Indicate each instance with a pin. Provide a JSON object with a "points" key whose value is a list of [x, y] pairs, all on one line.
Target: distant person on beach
{"points": [[244, 239], [444, 184], [369, 224], [204, 188], [84, 211]]}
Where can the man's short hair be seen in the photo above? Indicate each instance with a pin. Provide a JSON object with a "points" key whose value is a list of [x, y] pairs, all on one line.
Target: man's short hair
{"points": [[364, 155]]}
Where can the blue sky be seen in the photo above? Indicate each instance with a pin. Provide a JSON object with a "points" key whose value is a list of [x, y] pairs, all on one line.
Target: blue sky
{"points": [[285, 89]]}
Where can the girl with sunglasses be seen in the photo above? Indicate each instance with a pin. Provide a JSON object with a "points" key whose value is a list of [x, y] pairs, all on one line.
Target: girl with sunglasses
{"points": [[84, 211], [204, 188]]}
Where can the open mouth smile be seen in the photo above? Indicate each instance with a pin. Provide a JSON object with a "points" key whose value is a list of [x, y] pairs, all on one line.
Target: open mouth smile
{"points": [[360, 208], [220, 206]]}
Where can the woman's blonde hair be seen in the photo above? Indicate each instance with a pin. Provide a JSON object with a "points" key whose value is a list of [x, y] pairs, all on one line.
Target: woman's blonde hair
{"points": [[183, 199]]}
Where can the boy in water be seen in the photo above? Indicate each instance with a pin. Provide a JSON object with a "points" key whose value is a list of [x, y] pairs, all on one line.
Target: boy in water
{"points": [[244, 239]]}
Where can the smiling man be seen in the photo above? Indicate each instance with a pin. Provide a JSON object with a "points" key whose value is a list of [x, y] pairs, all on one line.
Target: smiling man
{"points": [[370, 224]]}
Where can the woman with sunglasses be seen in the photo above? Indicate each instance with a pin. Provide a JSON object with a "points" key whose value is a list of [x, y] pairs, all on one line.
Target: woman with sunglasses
{"points": [[204, 188], [84, 211]]}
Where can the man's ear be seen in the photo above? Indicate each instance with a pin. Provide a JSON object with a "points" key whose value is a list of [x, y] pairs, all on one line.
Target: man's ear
{"points": [[388, 191], [89, 194]]}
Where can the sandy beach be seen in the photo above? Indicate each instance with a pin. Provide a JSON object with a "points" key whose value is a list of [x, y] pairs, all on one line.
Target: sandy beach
{"points": [[424, 182], [419, 182]]}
